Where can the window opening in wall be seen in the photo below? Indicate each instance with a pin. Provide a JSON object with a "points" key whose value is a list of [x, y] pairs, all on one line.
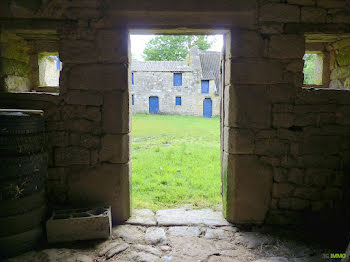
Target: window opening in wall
{"points": [[205, 86], [30, 60], [313, 68], [172, 166], [178, 100], [50, 67], [327, 61], [177, 79]]}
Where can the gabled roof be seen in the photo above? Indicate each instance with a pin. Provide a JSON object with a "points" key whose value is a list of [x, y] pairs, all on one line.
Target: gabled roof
{"points": [[210, 63], [160, 66]]}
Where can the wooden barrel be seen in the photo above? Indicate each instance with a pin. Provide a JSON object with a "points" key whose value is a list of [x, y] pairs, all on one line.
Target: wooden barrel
{"points": [[23, 172]]}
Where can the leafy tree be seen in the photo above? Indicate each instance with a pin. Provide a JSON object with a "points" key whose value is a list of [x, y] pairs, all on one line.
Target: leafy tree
{"points": [[173, 47]]}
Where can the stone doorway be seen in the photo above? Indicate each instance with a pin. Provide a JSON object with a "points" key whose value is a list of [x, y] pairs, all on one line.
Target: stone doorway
{"points": [[154, 102]]}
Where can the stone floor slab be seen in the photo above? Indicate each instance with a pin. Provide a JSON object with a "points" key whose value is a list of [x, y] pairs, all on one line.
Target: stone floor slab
{"points": [[155, 236], [222, 259], [143, 217], [218, 233], [195, 247], [129, 233], [143, 257], [273, 259], [184, 231], [254, 240], [148, 249], [190, 217], [195, 239]]}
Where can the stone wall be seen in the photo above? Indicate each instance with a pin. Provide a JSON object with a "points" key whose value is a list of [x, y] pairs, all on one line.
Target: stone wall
{"points": [[160, 84], [332, 60], [275, 159], [94, 86], [14, 63], [87, 124], [287, 153], [340, 75], [309, 152]]}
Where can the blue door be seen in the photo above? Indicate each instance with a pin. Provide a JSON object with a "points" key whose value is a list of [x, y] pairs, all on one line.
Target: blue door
{"points": [[153, 105], [207, 107]]}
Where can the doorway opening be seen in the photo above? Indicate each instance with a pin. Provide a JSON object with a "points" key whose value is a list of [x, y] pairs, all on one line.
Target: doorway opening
{"points": [[175, 87]]}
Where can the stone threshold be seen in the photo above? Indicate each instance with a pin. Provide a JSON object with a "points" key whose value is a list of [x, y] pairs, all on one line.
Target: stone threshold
{"points": [[177, 217]]}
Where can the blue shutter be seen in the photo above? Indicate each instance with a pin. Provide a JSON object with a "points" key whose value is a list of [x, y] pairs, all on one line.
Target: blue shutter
{"points": [[177, 79], [178, 101], [132, 100], [132, 78], [205, 86], [58, 63]]}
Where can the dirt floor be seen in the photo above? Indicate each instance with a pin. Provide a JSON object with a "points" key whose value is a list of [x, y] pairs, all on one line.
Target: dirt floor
{"points": [[185, 235]]}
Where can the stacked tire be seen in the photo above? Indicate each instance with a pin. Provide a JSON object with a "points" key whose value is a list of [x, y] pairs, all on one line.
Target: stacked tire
{"points": [[23, 172]]}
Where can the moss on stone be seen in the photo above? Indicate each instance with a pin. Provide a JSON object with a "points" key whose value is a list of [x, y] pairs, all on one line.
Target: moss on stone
{"points": [[336, 84], [17, 84], [340, 73], [13, 52], [342, 43], [13, 67], [347, 83], [343, 56]]}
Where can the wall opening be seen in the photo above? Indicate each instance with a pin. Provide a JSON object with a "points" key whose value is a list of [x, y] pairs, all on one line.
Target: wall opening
{"points": [[313, 68], [29, 61], [175, 147], [50, 67], [327, 61]]}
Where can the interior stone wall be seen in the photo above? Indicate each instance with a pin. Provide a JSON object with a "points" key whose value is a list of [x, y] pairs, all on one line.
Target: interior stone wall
{"points": [[278, 165], [14, 63], [309, 153], [275, 159], [95, 78], [340, 75]]}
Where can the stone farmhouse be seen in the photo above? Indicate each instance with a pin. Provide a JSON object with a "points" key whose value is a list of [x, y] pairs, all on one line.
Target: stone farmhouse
{"points": [[190, 87]]}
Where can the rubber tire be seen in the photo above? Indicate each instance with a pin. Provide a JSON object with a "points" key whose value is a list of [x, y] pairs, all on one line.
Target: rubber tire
{"points": [[20, 243], [21, 123], [22, 205], [21, 144], [22, 186], [12, 167], [22, 222]]}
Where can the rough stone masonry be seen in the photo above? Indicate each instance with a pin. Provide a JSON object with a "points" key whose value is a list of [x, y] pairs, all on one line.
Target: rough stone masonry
{"points": [[285, 148], [179, 235]]}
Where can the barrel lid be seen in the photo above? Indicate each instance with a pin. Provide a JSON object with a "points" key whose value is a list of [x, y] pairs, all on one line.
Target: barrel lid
{"points": [[20, 112]]}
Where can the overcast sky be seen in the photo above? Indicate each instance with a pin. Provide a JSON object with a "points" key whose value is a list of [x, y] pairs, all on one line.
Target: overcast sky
{"points": [[138, 43]]}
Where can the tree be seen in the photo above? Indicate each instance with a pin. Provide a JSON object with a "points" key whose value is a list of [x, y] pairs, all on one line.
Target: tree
{"points": [[174, 47], [309, 69]]}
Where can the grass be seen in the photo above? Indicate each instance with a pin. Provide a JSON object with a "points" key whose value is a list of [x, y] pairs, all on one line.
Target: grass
{"points": [[175, 161]]}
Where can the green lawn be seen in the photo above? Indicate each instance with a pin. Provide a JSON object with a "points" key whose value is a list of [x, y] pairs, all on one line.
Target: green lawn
{"points": [[175, 161]]}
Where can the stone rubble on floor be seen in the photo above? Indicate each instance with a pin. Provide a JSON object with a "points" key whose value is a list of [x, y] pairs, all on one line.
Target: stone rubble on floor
{"points": [[198, 239]]}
